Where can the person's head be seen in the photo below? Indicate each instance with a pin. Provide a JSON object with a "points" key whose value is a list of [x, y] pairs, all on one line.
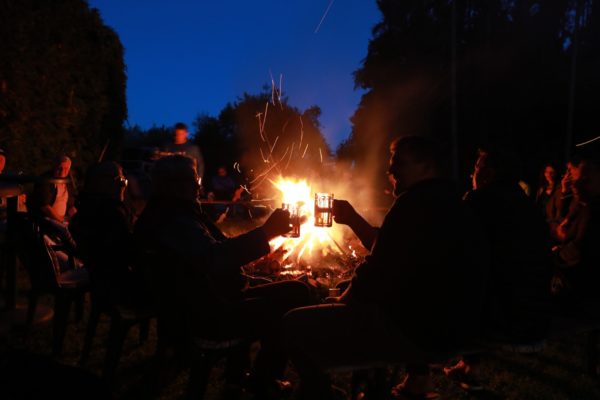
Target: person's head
{"points": [[105, 179], [2, 160], [62, 166], [573, 168], [175, 177], [222, 171], [549, 175], [180, 133], [587, 184], [495, 166], [413, 159]]}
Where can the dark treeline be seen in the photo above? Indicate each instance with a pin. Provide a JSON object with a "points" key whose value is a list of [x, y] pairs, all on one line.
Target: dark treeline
{"points": [[518, 73], [524, 73], [62, 83]]}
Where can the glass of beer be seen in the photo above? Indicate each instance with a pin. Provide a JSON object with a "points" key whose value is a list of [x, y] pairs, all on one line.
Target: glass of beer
{"points": [[323, 209]]}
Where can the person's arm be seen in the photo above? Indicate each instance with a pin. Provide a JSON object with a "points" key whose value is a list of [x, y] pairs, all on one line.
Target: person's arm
{"points": [[48, 212], [191, 241], [344, 213]]}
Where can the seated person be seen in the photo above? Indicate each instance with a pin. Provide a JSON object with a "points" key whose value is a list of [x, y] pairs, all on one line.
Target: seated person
{"points": [[54, 200], [193, 272], [517, 305], [102, 230], [578, 254], [224, 188], [418, 294], [52, 203]]}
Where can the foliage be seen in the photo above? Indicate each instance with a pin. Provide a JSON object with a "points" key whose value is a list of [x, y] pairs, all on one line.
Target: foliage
{"points": [[156, 136], [515, 61], [266, 136], [62, 83]]}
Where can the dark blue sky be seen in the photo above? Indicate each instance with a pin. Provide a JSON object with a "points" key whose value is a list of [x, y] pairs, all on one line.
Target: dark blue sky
{"points": [[187, 57]]}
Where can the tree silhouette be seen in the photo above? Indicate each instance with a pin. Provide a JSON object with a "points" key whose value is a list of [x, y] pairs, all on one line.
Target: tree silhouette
{"points": [[263, 136], [62, 83], [516, 78]]}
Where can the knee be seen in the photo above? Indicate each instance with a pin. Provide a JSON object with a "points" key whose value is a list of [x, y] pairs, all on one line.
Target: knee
{"points": [[299, 292], [292, 327]]}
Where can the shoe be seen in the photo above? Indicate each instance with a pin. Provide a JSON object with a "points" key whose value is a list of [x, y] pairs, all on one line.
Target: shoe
{"points": [[465, 375]]}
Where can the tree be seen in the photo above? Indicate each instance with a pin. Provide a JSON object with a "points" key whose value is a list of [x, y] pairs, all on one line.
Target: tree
{"points": [[513, 69], [62, 83], [265, 136]]}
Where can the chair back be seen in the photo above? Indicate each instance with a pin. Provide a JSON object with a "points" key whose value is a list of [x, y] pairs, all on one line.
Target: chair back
{"points": [[36, 255]]}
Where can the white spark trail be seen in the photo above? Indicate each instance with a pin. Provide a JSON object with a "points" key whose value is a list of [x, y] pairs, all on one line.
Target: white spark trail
{"points": [[306, 148], [324, 15], [588, 142]]}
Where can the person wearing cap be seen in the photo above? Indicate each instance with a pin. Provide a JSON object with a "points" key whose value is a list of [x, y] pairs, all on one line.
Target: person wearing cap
{"points": [[54, 200]]}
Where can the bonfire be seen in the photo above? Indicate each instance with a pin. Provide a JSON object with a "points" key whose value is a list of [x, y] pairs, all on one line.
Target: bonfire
{"points": [[323, 256]]}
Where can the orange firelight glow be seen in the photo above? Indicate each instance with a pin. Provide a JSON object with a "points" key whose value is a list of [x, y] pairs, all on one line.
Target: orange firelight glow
{"points": [[313, 241]]}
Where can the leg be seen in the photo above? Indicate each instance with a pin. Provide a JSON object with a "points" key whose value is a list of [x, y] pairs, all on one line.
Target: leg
{"points": [[592, 352], [265, 307], [356, 336], [62, 306], [90, 332], [116, 337]]}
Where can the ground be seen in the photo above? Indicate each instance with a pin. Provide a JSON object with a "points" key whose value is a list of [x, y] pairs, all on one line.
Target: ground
{"points": [[555, 373]]}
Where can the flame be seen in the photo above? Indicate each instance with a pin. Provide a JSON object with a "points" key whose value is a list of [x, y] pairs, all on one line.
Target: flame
{"points": [[313, 241]]}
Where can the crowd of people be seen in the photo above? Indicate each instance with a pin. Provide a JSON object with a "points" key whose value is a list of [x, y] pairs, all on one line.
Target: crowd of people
{"points": [[444, 269]]}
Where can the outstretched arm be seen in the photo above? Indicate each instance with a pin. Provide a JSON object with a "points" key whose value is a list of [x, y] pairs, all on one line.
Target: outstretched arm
{"points": [[344, 213]]}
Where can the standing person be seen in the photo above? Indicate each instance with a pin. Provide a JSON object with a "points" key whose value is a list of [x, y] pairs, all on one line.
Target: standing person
{"points": [[182, 145], [419, 292]]}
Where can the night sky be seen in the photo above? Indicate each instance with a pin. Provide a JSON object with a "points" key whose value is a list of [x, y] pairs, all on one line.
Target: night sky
{"points": [[189, 57]]}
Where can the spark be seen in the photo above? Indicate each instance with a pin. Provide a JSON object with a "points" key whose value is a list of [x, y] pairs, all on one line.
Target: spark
{"points": [[246, 189], [306, 148], [285, 126], [263, 156], [290, 159], [280, 91], [258, 115], [301, 131], [270, 168], [321, 154], [264, 121], [588, 142], [274, 144], [272, 87], [324, 15], [236, 166]]}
